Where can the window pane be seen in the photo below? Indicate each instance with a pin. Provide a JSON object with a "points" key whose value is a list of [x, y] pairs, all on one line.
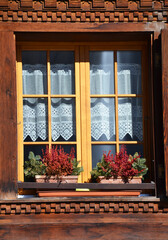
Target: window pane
{"points": [[133, 148], [130, 119], [34, 72], [36, 149], [102, 119], [35, 119], [62, 72], [129, 72], [63, 121], [98, 150], [102, 72]]}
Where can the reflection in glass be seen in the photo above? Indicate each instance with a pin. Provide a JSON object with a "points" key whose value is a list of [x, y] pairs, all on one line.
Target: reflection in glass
{"points": [[101, 72], [34, 72], [63, 122], [35, 119], [133, 148], [62, 72], [102, 119], [130, 119], [129, 72], [98, 150]]}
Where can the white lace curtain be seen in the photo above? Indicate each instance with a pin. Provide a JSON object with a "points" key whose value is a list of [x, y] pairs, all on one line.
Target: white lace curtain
{"points": [[35, 110], [129, 109]]}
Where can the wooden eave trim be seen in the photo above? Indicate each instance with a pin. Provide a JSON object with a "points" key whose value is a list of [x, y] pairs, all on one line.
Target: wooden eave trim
{"points": [[82, 27]]}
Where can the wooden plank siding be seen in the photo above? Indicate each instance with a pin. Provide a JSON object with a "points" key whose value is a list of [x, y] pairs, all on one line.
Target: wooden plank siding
{"points": [[165, 100], [8, 116], [97, 226]]}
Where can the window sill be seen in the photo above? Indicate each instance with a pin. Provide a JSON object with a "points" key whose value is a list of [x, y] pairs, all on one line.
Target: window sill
{"points": [[93, 186]]}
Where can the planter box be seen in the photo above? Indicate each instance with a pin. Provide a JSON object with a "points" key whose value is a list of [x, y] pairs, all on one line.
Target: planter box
{"points": [[119, 180], [54, 179]]}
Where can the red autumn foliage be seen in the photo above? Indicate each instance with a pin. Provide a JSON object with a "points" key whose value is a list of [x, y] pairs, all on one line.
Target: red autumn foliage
{"points": [[57, 161], [120, 164]]}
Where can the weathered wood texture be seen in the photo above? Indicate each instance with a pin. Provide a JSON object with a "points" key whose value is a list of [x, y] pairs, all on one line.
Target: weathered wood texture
{"points": [[85, 226], [80, 27], [8, 121], [165, 100]]}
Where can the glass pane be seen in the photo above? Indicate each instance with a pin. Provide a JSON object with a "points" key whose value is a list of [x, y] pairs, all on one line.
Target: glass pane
{"points": [[63, 121], [34, 72], [129, 72], [37, 150], [102, 72], [102, 119], [35, 119], [62, 72], [130, 119], [133, 148], [98, 150]]}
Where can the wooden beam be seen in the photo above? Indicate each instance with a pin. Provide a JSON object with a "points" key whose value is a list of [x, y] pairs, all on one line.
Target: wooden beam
{"points": [[80, 27], [8, 116], [165, 100]]}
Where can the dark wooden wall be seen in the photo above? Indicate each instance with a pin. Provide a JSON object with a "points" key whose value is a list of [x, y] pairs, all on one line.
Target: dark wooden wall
{"points": [[84, 227], [8, 116], [165, 99]]}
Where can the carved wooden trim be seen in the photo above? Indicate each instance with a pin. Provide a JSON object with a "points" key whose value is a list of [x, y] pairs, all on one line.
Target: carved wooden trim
{"points": [[98, 3], [26, 3], [74, 3], [4, 3], [121, 3], [50, 3], [77, 207], [84, 11], [146, 3], [166, 3], [78, 16]]}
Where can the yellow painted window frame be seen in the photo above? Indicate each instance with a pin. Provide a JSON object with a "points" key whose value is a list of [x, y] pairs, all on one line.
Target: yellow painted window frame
{"points": [[82, 96]]}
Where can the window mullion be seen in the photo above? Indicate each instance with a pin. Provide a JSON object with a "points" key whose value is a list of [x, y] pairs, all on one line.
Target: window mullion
{"points": [[49, 99], [116, 101], [77, 104], [20, 116], [88, 112]]}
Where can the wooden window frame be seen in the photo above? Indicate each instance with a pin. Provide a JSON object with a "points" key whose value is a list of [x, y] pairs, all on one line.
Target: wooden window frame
{"points": [[82, 95]]}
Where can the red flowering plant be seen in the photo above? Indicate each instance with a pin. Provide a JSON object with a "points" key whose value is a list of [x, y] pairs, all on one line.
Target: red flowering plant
{"points": [[121, 165], [59, 163]]}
